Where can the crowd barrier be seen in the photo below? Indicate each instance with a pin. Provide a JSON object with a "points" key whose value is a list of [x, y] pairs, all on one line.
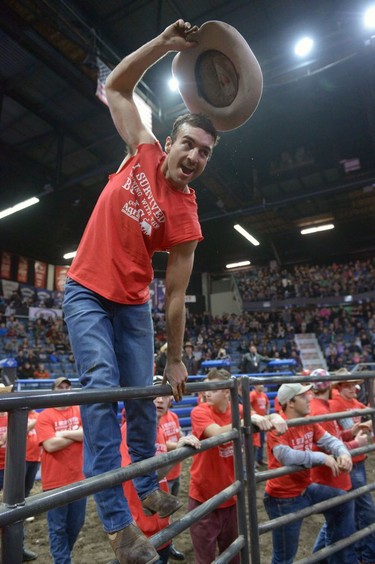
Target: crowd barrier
{"points": [[15, 508]]}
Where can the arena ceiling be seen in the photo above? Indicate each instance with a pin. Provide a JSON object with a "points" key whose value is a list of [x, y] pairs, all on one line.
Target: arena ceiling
{"points": [[58, 141]]}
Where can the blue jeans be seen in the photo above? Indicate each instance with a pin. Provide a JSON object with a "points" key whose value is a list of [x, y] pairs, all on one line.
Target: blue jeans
{"points": [[340, 523], [30, 474], [364, 510], [113, 346], [64, 525], [259, 450]]}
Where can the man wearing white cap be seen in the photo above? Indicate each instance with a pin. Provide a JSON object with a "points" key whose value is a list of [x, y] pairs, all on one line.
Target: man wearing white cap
{"points": [[293, 492]]}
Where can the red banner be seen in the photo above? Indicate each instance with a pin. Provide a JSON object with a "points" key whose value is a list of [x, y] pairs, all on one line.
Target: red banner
{"points": [[22, 271], [40, 274], [60, 277], [6, 260]]}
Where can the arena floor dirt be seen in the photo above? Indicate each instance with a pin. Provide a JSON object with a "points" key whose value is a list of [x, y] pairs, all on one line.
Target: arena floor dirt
{"points": [[92, 545]]}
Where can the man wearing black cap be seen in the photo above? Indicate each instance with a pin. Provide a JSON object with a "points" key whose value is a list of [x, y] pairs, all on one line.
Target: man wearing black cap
{"points": [[59, 431]]}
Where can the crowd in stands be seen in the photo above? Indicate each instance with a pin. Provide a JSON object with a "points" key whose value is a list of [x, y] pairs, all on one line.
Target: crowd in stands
{"points": [[306, 281], [346, 333]]}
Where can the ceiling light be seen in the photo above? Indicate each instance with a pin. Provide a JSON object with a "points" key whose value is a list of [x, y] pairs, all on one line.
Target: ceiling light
{"points": [[369, 18], [173, 84], [19, 207], [238, 264], [246, 234], [70, 255], [303, 46], [318, 228]]}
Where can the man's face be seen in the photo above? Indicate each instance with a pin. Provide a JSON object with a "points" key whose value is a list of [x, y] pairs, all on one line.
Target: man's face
{"points": [[301, 404], [348, 390], [259, 387], [187, 156], [63, 387], [162, 403], [217, 398]]}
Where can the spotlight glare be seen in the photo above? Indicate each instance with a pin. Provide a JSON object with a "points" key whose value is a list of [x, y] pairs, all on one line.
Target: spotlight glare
{"points": [[369, 18], [70, 255], [303, 46], [173, 84]]}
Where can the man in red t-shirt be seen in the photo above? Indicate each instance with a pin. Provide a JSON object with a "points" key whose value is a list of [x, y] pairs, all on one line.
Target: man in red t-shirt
{"points": [[213, 470], [59, 431], [364, 506], [293, 492], [169, 423], [320, 405], [147, 206], [152, 524], [260, 404]]}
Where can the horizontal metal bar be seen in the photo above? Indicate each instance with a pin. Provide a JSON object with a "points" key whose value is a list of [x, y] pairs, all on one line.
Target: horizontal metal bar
{"points": [[48, 398], [339, 545], [231, 551], [42, 502]]}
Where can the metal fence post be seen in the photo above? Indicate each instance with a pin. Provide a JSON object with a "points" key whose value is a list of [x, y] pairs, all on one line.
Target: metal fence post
{"points": [[250, 473], [14, 484], [239, 472]]}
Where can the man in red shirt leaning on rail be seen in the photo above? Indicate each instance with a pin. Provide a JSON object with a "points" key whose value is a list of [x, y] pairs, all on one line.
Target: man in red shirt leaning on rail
{"points": [[213, 470]]}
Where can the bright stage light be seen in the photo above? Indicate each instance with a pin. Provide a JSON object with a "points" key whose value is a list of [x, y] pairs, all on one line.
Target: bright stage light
{"points": [[369, 18], [238, 264], [246, 234], [70, 255], [303, 46], [317, 229], [18, 207]]}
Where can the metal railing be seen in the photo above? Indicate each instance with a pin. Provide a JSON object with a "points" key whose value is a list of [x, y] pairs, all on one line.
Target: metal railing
{"points": [[16, 508]]}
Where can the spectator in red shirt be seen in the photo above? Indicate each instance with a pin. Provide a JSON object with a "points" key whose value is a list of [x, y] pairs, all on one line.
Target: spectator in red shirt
{"points": [[364, 505], [152, 524], [260, 404], [213, 470], [59, 431]]}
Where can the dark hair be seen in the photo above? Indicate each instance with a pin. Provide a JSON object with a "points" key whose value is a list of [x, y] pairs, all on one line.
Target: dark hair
{"points": [[195, 120], [215, 374]]}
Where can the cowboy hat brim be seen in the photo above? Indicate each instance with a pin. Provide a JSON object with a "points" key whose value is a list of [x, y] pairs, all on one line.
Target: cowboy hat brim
{"points": [[219, 77]]}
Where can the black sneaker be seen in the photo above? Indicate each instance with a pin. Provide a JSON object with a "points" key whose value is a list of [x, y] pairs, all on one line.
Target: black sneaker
{"points": [[175, 554], [28, 555]]}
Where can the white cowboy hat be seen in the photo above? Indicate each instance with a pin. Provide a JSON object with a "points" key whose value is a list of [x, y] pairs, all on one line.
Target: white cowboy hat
{"points": [[220, 77]]}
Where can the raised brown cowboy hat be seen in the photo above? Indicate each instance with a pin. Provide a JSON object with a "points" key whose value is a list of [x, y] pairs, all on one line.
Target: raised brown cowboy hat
{"points": [[220, 77]]}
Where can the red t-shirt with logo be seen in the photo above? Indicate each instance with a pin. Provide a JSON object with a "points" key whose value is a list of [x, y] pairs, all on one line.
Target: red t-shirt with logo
{"points": [[170, 424], [337, 404], [259, 402], [323, 474], [149, 524], [138, 213], [64, 466], [298, 438], [212, 470]]}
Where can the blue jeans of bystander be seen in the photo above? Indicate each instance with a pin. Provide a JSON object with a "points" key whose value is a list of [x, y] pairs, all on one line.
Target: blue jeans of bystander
{"points": [[113, 346], [64, 525], [364, 510], [340, 523]]}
